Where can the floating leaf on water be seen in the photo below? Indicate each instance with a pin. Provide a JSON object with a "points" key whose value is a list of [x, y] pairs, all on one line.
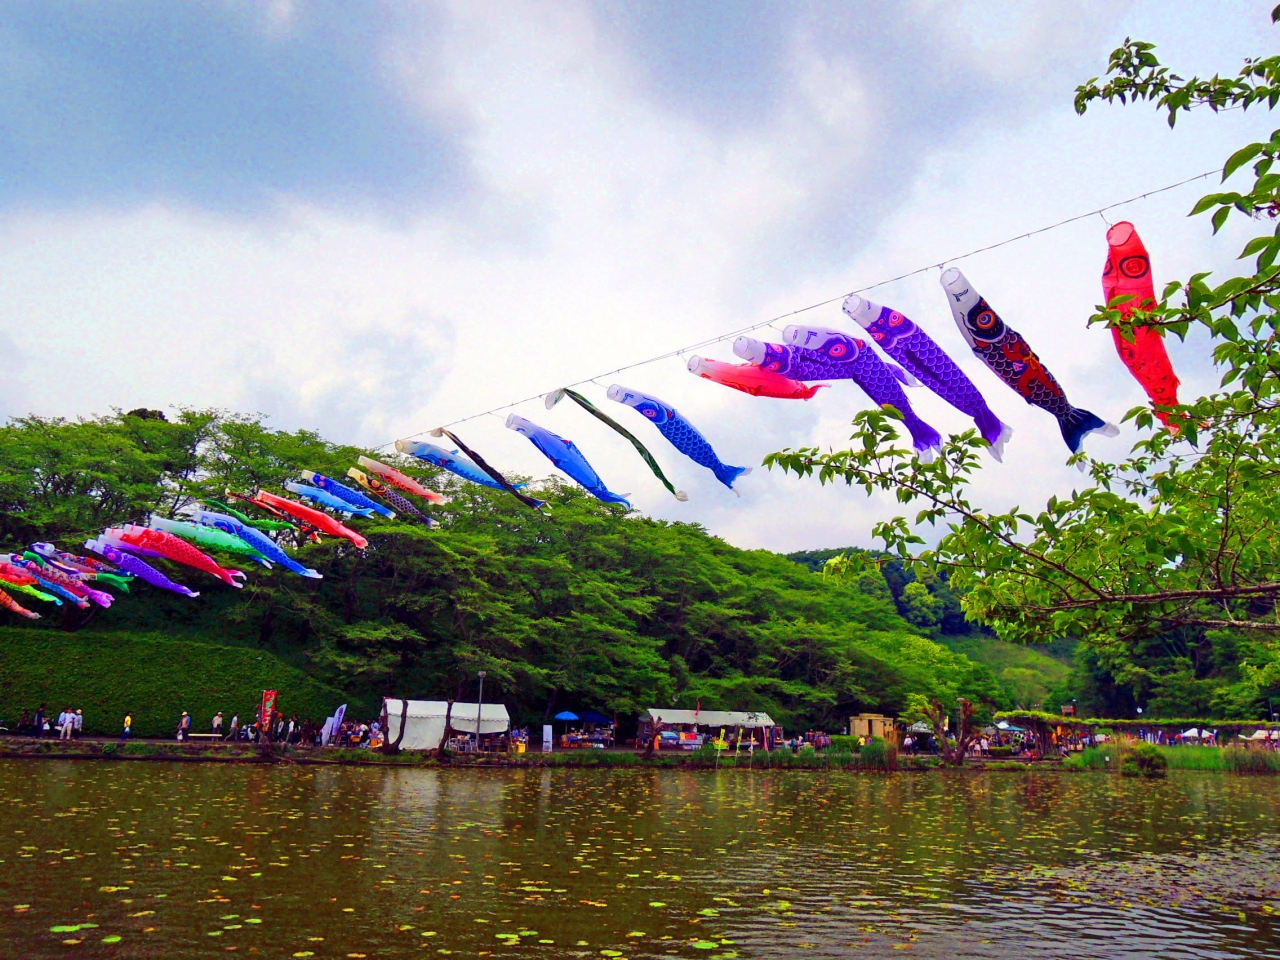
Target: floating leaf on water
{"points": [[610, 953], [428, 933], [114, 938], [705, 945], [656, 903], [304, 953]]}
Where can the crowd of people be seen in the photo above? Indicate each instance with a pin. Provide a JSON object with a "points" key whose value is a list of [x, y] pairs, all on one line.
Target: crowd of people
{"points": [[66, 726]]}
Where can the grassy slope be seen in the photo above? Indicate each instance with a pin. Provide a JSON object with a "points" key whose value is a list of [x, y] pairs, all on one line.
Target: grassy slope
{"points": [[1027, 672], [107, 673]]}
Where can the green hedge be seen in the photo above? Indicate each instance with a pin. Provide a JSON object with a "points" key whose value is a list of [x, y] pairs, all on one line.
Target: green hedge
{"points": [[106, 674], [1145, 723]]}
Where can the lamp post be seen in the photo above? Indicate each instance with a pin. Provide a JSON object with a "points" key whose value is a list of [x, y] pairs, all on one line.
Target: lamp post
{"points": [[479, 709]]}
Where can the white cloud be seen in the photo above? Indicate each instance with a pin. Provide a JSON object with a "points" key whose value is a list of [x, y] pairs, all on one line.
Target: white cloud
{"points": [[610, 227]]}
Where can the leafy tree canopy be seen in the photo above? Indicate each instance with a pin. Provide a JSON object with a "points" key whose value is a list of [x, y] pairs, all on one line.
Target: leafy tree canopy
{"points": [[587, 607], [1176, 545]]}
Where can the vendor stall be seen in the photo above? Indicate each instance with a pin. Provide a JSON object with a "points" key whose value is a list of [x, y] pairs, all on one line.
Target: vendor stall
{"points": [[585, 729], [690, 729], [425, 721]]}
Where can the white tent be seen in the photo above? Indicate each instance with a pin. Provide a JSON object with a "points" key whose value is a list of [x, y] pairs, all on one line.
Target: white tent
{"points": [[1192, 734], [707, 718], [424, 721]]}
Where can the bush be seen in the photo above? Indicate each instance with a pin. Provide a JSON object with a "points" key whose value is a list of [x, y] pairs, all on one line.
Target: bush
{"points": [[1000, 751], [1092, 758], [841, 743], [1144, 760], [1192, 756], [110, 673], [807, 752], [880, 754], [1249, 761]]}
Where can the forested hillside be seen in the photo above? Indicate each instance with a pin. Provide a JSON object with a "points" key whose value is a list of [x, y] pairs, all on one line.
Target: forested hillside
{"points": [[584, 607], [1031, 675]]}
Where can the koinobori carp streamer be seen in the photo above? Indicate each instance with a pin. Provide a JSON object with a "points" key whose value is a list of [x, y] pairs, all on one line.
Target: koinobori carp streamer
{"points": [[1011, 359], [1127, 273], [899, 337]]}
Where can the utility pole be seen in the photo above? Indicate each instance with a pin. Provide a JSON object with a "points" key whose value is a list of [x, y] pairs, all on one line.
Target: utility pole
{"points": [[479, 709]]}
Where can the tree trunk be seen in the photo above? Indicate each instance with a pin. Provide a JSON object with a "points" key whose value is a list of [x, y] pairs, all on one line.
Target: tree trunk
{"points": [[655, 729], [389, 747], [448, 729], [952, 756]]}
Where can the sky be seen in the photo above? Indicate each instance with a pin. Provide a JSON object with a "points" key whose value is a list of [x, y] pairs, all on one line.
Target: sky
{"points": [[370, 219]]}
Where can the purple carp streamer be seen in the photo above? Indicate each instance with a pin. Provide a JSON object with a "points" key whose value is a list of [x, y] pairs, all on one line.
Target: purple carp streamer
{"points": [[821, 354], [901, 339], [1011, 359]]}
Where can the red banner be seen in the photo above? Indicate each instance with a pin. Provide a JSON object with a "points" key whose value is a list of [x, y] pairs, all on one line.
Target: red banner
{"points": [[267, 712]]}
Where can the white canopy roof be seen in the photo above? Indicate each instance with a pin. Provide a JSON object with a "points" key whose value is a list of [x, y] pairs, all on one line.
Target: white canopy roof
{"points": [[1192, 734], [424, 721], [709, 718]]}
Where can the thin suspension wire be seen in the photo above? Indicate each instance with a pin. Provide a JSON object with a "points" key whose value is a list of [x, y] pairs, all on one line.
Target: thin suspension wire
{"points": [[741, 331]]}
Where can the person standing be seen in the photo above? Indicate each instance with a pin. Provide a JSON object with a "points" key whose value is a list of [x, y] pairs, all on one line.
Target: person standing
{"points": [[77, 723], [234, 735], [38, 726], [217, 724], [63, 727], [127, 731], [184, 726]]}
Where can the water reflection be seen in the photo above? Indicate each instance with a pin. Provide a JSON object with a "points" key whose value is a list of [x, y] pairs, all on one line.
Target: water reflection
{"points": [[149, 859]]}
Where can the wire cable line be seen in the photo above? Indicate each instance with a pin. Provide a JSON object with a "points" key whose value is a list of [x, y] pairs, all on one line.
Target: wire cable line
{"points": [[741, 331]]}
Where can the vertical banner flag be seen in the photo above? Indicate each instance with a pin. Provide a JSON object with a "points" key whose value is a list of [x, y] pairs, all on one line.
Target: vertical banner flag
{"points": [[266, 712], [337, 720]]}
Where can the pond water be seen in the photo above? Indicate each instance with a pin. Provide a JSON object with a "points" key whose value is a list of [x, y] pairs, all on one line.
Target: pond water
{"points": [[102, 859]]}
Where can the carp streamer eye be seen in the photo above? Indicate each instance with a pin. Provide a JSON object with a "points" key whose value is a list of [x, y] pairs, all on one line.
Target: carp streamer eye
{"points": [[1134, 267]]}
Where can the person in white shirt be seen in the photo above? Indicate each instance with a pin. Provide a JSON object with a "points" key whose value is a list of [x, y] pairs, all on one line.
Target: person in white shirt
{"points": [[217, 724], [65, 724], [77, 723]]}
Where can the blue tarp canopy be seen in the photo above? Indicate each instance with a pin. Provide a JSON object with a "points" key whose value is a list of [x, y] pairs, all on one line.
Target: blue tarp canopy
{"points": [[566, 716], [590, 716]]}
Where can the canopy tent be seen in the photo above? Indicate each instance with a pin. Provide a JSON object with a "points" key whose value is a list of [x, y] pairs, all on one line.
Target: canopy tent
{"points": [[590, 716], [1008, 727], [424, 721], [1262, 735], [565, 716], [920, 727], [708, 718], [1192, 734]]}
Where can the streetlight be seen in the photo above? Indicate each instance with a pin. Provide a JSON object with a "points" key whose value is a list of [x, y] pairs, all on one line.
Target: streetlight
{"points": [[479, 709]]}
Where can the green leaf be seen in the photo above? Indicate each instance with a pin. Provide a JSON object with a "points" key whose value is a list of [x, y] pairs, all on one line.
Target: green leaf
{"points": [[1240, 158]]}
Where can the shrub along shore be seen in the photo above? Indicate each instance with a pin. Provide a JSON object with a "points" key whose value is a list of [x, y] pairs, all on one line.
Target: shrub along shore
{"points": [[875, 757]]}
